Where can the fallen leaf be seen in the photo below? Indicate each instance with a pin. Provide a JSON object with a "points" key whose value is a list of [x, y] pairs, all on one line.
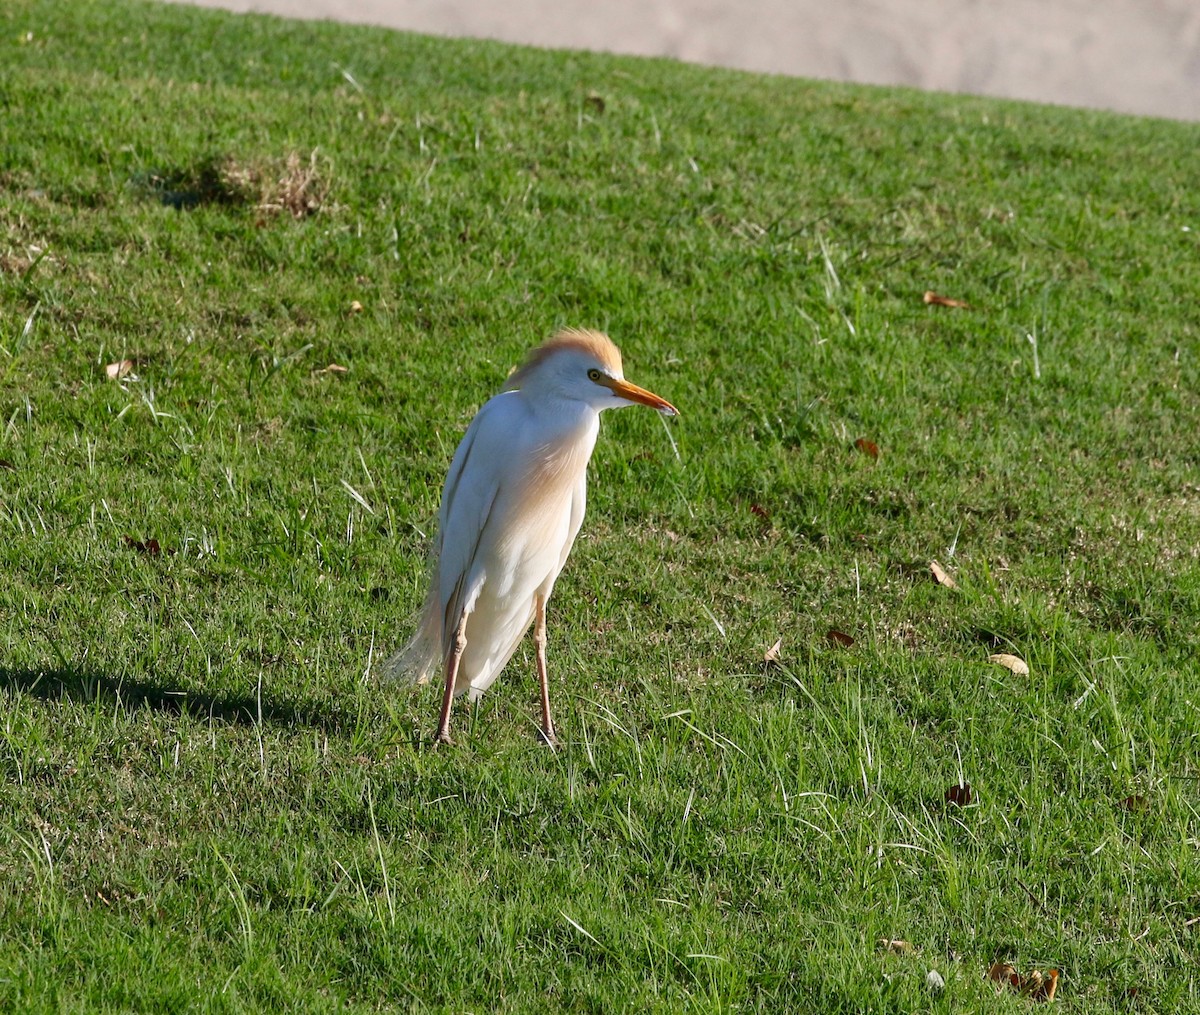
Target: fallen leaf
{"points": [[356, 307], [959, 795], [1004, 973], [1137, 802], [1192, 922], [762, 512], [867, 447], [940, 576], [840, 638], [115, 371], [595, 102], [895, 946], [772, 654], [333, 368], [1049, 987], [1034, 985], [1014, 663], [934, 982], [150, 547], [937, 299]]}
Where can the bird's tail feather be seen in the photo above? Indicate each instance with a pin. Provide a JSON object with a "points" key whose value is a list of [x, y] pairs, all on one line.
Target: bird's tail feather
{"points": [[417, 661]]}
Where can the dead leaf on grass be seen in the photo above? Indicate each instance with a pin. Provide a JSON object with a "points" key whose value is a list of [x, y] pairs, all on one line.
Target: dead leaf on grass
{"points": [[1032, 983], [938, 300], [150, 547], [839, 638], [771, 656], [940, 575], [1035, 985], [356, 307], [1137, 802], [333, 368], [959, 795], [1048, 987], [867, 447], [120, 369], [1011, 662], [1004, 974], [895, 946]]}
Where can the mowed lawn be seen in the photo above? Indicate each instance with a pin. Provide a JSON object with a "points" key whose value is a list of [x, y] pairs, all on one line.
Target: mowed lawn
{"points": [[255, 278]]}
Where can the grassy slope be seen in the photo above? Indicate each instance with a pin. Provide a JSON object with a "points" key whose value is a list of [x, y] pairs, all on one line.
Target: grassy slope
{"points": [[207, 807]]}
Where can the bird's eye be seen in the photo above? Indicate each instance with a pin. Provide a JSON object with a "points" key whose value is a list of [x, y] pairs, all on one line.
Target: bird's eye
{"points": [[593, 374]]}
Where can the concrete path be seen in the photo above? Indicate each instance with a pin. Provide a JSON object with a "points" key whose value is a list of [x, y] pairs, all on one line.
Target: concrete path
{"points": [[1135, 56]]}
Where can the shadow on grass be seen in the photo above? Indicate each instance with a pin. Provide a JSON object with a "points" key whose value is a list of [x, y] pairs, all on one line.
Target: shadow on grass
{"points": [[84, 687], [208, 182]]}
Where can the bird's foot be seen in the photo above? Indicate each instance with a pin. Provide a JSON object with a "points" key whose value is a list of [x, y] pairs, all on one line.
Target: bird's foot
{"points": [[549, 737], [443, 739]]}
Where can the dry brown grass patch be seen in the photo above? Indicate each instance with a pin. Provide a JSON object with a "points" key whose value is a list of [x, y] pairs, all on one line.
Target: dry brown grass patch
{"points": [[293, 185]]}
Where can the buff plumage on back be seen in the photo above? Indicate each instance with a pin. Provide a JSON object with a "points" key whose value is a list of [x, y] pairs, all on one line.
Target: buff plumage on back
{"points": [[593, 342]]}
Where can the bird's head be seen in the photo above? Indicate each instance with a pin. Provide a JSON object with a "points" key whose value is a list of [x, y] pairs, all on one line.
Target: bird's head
{"points": [[582, 366]]}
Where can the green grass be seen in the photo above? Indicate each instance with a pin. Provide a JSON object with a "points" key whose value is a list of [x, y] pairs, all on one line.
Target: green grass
{"points": [[207, 805]]}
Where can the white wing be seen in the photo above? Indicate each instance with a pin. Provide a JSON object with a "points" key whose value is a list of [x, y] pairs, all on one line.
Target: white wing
{"points": [[472, 487]]}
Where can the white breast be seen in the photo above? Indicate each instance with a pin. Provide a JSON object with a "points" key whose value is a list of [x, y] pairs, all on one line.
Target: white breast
{"points": [[529, 531]]}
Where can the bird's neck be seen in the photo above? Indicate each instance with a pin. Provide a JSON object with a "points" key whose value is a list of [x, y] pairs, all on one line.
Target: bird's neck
{"points": [[563, 416], [568, 429]]}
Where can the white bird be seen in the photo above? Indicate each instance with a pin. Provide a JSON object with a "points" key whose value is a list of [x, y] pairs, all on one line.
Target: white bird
{"points": [[511, 507]]}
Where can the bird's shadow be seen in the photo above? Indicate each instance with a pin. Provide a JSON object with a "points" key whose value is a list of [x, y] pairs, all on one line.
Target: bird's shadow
{"points": [[85, 686]]}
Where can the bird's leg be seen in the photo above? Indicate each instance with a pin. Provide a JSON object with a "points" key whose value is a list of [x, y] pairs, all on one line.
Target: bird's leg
{"points": [[456, 651], [539, 639]]}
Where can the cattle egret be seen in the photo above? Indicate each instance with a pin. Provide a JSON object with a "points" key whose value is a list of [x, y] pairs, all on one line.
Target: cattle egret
{"points": [[511, 507]]}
